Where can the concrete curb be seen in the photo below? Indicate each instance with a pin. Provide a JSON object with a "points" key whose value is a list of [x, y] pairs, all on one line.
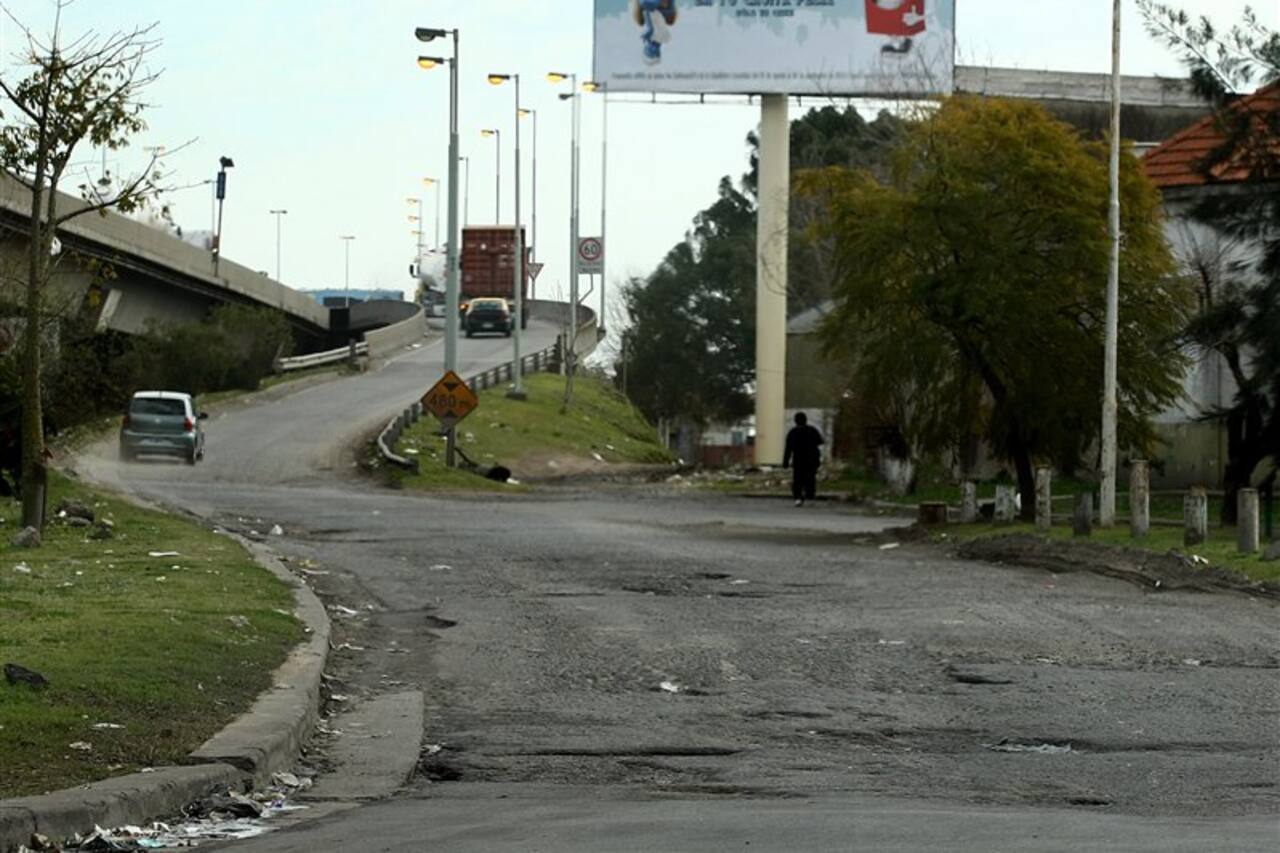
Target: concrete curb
{"points": [[266, 739], [270, 736]]}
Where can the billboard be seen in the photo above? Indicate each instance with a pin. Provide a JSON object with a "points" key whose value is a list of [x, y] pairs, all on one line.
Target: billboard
{"points": [[796, 47]]}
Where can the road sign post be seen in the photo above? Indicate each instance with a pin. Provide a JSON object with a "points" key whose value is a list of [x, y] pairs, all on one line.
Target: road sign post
{"points": [[450, 400], [590, 256]]}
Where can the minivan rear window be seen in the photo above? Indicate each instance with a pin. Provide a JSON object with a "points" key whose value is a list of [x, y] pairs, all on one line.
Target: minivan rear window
{"points": [[157, 406]]}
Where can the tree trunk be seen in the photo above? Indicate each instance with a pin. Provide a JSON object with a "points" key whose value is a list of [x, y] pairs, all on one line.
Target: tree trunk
{"points": [[1026, 482], [32, 416]]}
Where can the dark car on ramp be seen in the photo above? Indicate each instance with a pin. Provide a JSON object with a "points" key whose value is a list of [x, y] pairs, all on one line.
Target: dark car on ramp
{"points": [[488, 314]]}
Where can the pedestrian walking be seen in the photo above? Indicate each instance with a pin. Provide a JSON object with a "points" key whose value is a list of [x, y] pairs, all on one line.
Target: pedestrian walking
{"points": [[803, 457]]}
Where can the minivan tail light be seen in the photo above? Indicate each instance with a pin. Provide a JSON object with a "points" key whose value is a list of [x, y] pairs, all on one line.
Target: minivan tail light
{"points": [[188, 424]]}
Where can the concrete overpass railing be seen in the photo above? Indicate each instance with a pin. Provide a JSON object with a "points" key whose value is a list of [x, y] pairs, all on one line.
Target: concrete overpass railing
{"points": [[382, 342]]}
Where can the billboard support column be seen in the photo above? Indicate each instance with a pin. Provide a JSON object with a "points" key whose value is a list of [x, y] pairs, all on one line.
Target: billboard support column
{"points": [[771, 279]]}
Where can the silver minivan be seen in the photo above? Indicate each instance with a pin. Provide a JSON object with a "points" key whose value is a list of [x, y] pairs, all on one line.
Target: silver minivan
{"points": [[164, 423]]}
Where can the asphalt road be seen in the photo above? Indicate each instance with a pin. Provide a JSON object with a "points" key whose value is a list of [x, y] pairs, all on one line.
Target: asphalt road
{"points": [[649, 668]]}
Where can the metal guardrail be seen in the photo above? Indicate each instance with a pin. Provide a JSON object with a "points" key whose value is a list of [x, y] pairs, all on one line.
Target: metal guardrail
{"points": [[549, 360], [316, 359]]}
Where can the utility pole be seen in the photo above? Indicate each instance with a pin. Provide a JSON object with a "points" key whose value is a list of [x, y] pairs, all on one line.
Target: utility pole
{"points": [[278, 214], [1110, 404]]}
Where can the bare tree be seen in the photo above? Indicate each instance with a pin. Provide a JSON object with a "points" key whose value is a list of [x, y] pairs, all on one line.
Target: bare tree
{"points": [[84, 91]]}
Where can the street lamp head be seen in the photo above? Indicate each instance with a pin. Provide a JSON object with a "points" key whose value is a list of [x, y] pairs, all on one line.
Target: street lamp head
{"points": [[413, 218], [226, 162], [429, 33], [489, 132], [499, 79], [566, 96], [524, 113], [592, 86], [428, 181], [558, 76], [429, 62]]}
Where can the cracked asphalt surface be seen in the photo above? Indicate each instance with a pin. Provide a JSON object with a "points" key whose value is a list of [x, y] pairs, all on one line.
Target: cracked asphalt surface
{"points": [[632, 668]]}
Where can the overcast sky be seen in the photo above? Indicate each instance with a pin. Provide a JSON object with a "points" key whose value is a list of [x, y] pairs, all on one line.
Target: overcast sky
{"points": [[325, 112]]}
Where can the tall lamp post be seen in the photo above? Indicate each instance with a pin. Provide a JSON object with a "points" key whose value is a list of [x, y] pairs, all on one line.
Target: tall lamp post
{"points": [[419, 232], [435, 185], [466, 191], [220, 192], [604, 198], [533, 234], [571, 349], [279, 215], [517, 245], [346, 276], [428, 34], [497, 175]]}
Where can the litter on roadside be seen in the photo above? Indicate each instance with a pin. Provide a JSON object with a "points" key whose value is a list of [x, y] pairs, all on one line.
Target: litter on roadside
{"points": [[669, 687], [891, 643], [889, 546], [343, 611], [82, 746], [161, 554], [277, 530], [1038, 748], [106, 726]]}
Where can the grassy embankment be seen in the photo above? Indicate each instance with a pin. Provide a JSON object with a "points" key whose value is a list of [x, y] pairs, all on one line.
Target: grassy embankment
{"points": [[146, 656], [1220, 550], [533, 438]]}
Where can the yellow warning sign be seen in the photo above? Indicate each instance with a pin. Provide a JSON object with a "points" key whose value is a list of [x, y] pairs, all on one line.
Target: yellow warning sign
{"points": [[450, 400]]}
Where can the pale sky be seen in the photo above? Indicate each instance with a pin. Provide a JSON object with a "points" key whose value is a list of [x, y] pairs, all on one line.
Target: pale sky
{"points": [[326, 114]]}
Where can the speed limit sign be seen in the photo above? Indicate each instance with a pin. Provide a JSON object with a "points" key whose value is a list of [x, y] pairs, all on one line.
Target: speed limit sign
{"points": [[591, 255]]}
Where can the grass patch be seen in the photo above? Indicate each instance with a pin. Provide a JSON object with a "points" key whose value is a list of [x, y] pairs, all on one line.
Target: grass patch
{"points": [[171, 649], [1220, 550], [600, 426]]}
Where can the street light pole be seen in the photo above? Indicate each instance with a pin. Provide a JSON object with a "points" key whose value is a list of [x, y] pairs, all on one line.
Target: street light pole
{"points": [[604, 199], [346, 277], [466, 192], [517, 243], [220, 192], [533, 237], [497, 173], [1110, 404], [278, 214], [426, 34], [434, 184], [571, 349]]}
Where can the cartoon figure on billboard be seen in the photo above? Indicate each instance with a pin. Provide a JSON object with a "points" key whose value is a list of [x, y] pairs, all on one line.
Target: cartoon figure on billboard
{"points": [[656, 17], [900, 19]]}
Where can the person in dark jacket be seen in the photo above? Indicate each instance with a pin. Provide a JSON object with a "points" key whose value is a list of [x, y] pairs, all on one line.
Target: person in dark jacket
{"points": [[803, 457]]}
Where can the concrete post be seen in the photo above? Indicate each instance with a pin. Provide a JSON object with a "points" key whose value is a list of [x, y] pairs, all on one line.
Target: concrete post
{"points": [[1247, 527], [771, 278], [1006, 509], [1139, 498], [1195, 515], [968, 502], [1082, 523], [1044, 498]]}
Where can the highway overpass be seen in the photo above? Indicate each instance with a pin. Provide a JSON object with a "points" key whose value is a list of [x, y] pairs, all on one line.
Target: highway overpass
{"points": [[155, 276]]}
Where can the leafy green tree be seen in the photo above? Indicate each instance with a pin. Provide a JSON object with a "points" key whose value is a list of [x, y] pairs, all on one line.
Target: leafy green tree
{"points": [[1240, 316], [85, 91], [689, 350], [981, 264]]}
